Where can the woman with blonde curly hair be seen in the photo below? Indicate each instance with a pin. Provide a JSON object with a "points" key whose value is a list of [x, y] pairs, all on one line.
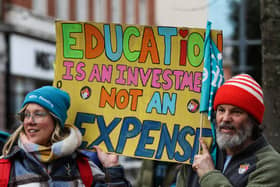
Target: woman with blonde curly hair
{"points": [[43, 151]]}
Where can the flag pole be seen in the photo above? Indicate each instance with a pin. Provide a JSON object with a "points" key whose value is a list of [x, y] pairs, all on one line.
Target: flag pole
{"points": [[212, 79], [200, 132], [206, 81]]}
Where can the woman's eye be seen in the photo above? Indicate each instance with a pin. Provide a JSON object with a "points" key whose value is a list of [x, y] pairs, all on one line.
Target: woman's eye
{"points": [[40, 114], [26, 114]]}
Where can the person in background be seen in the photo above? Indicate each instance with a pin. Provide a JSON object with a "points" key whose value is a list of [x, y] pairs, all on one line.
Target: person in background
{"points": [[43, 151], [3, 138], [157, 173], [245, 157]]}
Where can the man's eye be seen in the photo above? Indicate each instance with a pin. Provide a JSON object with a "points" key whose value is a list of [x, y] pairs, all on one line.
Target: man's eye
{"points": [[238, 111], [220, 110]]}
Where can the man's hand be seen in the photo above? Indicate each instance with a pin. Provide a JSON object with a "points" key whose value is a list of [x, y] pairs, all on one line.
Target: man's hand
{"points": [[203, 163], [107, 159]]}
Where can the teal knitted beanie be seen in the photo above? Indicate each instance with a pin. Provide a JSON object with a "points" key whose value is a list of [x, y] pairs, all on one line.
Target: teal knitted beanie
{"points": [[53, 99]]}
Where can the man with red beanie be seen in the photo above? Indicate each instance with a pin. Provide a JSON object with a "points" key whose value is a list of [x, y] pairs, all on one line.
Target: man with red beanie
{"points": [[244, 158]]}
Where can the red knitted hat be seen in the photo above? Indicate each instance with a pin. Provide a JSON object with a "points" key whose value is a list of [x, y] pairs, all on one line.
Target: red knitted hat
{"points": [[244, 92]]}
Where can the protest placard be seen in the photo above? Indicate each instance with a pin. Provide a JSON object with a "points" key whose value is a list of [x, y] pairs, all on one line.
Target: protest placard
{"points": [[135, 90]]}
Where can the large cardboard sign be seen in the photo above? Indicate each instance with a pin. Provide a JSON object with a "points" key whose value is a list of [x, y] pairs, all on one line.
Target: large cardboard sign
{"points": [[134, 90]]}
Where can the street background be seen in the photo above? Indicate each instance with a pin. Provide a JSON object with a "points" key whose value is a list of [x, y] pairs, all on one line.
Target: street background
{"points": [[251, 45]]}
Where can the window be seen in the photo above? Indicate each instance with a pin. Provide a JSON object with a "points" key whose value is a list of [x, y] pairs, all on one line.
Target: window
{"points": [[130, 12], [82, 10], [100, 10], [116, 11], [143, 12], [40, 7], [62, 9]]}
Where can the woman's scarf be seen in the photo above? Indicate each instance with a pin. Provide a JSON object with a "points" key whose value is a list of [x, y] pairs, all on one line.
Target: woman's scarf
{"points": [[57, 150]]}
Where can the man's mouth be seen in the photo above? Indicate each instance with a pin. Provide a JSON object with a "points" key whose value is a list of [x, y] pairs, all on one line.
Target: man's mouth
{"points": [[227, 129]]}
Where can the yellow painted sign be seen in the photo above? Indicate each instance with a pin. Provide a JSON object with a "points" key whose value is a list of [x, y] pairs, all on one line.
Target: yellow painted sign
{"points": [[134, 90]]}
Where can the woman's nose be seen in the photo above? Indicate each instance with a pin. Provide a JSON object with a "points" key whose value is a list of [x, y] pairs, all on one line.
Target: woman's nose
{"points": [[29, 119]]}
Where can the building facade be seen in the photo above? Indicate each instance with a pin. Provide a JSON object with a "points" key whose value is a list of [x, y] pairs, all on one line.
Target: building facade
{"points": [[27, 50], [27, 37]]}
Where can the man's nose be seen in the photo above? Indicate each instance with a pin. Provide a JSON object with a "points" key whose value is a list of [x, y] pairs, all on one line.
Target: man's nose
{"points": [[226, 117]]}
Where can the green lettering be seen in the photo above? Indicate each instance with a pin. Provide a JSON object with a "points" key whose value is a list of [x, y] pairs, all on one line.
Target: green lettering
{"points": [[68, 41], [195, 49], [130, 55]]}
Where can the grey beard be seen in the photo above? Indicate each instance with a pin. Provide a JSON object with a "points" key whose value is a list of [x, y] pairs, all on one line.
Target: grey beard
{"points": [[229, 141]]}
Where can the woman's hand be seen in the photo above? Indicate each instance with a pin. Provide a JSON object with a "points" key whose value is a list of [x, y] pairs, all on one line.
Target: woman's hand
{"points": [[107, 159]]}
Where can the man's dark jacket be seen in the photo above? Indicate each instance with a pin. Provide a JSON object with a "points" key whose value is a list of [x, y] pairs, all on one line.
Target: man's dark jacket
{"points": [[257, 165]]}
